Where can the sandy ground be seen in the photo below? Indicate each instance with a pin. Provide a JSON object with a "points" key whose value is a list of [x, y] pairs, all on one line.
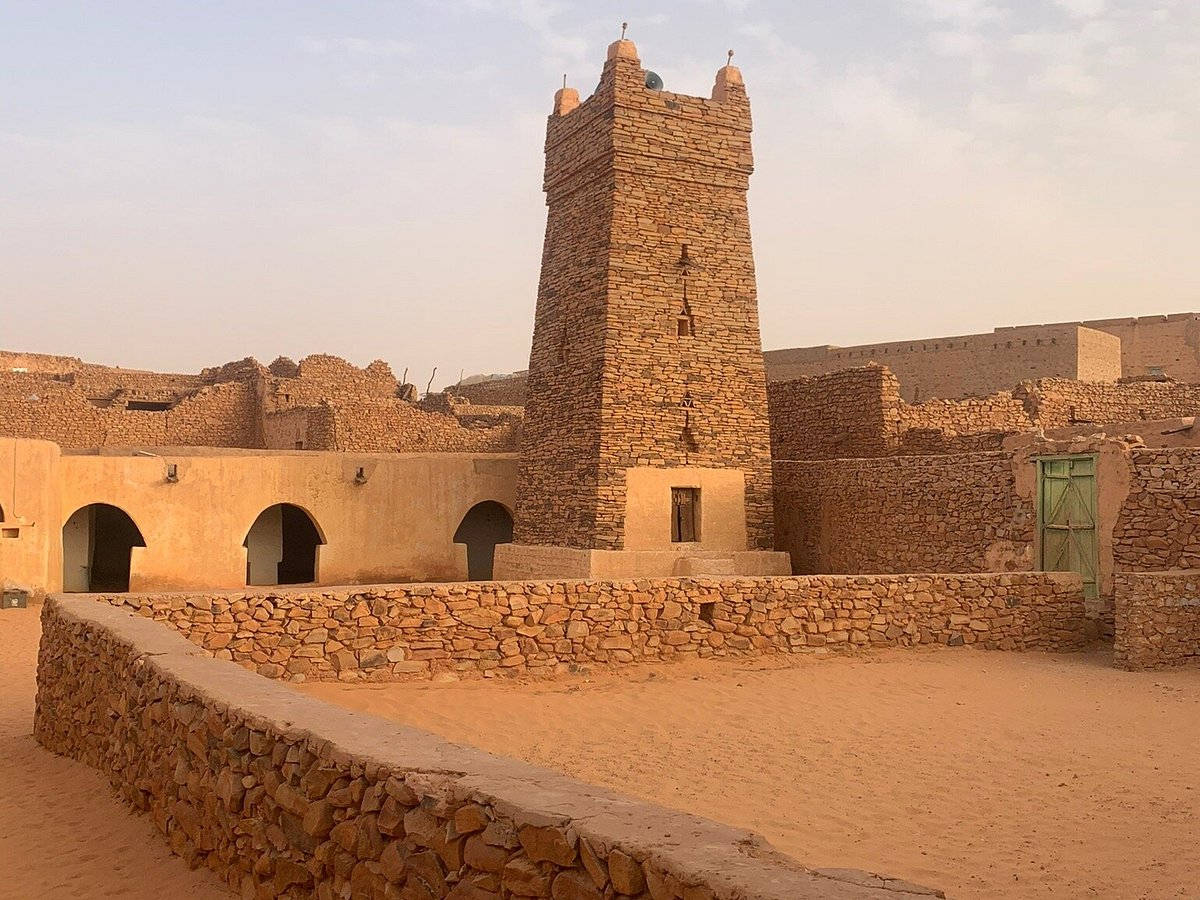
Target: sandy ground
{"points": [[985, 774], [63, 833]]}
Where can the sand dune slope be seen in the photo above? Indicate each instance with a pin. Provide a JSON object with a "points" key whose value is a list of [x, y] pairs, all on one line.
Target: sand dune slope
{"points": [[63, 833]]}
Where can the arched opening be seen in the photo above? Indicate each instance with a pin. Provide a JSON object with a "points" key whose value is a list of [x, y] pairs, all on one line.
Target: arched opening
{"points": [[281, 546], [98, 541], [484, 526]]}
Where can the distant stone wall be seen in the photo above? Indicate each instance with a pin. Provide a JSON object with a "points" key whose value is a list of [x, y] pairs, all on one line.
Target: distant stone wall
{"points": [[282, 795], [971, 415], [859, 413], [1157, 619], [221, 415], [391, 631], [965, 365], [1159, 524], [509, 391], [1060, 401], [387, 425], [956, 513], [949, 367]]}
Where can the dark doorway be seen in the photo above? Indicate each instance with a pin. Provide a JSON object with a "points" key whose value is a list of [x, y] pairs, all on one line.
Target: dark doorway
{"points": [[281, 547], [685, 515], [98, 541], [484, 526]]}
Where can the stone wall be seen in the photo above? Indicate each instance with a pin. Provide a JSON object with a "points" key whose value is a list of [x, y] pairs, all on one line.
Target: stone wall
{"points": [[1157, 619], [859, 413], [955, 513], [285, 796], [507, 391], [966, 365], [321, 403], [392, 631], [1159, 524], [1059, 401], [850, 413], [220, 415], [950, 367], [390, 424]]}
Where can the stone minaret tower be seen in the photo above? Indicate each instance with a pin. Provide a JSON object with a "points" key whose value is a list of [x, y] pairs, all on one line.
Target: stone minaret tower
{"points": [[646, 446]]}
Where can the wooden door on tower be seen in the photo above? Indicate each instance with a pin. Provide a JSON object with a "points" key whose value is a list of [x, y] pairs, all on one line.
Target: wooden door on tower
{"points": [[1067, 538]]}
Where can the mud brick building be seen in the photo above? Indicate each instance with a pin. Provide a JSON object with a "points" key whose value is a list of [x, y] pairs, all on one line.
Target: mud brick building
{"points": [[646, 438]]}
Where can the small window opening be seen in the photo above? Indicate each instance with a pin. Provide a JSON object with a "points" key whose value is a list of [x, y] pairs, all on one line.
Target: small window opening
{"points": [[706, 612], [1156, 371], [683, 325], [299, 445], [148, 405], [685, 515], [10, 532]]}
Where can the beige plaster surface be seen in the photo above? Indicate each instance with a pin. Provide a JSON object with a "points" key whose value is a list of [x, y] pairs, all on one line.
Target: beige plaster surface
{"points": [[398, 526], [29, 485], [648, 507]]}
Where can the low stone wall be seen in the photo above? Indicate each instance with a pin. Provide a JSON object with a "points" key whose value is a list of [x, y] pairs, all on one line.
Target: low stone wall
{"points": [[285, 796], [385, 632], [1157, 618]]}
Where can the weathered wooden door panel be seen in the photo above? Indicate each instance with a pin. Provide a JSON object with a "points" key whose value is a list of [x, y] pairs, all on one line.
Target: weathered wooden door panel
{"points": [[1067, 538]]}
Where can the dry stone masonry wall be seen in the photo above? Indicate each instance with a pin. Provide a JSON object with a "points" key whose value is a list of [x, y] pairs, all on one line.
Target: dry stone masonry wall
{"points": [[956, 513], [1159, 524], [284, 796], [858, 412], [395, 631], [1157, 619], [320, 403]]}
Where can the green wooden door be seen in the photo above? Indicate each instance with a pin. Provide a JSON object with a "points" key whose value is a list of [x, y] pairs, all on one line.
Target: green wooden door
{"points": [[1067, 518]]}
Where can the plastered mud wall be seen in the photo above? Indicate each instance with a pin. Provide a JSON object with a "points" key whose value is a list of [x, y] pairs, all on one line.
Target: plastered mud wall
{"points": [[1157, 619], [394, 631], [282, 795]]}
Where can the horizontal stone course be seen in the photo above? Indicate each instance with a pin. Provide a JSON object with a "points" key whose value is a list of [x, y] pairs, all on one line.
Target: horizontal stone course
{"points": [[1157, 619], [388, 632], [282, 795]]}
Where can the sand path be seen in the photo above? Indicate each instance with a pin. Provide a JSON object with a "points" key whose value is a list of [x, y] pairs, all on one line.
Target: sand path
{"points": [[63, 833], [985, 774]]}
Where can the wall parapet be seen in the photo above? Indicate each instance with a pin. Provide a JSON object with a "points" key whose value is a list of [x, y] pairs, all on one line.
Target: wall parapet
{"points": [[386, 632], [1157, 618], [286, 796]]}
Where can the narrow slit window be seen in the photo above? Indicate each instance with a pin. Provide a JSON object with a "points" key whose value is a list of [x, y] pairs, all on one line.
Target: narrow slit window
{"points": [[685, 515]]}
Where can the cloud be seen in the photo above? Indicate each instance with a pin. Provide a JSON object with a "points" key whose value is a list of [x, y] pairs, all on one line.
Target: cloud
{"points": [[354, 47], [968, 13], [1082, 9]]}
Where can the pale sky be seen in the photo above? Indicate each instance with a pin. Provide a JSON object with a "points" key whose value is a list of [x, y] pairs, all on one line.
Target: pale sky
{"points": [[184, 182]]}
